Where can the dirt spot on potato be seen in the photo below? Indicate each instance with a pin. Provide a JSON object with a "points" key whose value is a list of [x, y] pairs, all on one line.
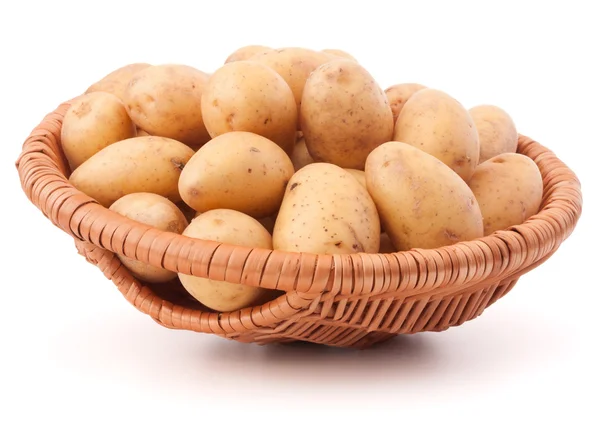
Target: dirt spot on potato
{"points": [[294, 186], [178, 163], [449, 234]]}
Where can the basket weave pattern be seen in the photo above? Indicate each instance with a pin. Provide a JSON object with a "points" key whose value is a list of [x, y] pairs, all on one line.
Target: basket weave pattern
{"points": [[341, 300]]}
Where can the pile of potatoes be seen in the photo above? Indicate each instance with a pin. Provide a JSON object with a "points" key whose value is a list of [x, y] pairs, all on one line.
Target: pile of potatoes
{"points": [[294, 150]]}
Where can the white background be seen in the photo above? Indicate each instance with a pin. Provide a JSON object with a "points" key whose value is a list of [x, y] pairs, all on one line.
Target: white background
{"points": [[74, 351]]}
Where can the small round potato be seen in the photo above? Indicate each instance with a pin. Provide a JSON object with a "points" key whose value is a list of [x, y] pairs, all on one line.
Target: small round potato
{"points": [[421, 201], [240, 171], [246, 52], [156, 211], [230, 227], [249, 96], [300, 156], [116, 82], [509, 190], [344, 114], [439, 125], [94, 121], [398, 95], [496, 129], [339, 53], [164, 100]]}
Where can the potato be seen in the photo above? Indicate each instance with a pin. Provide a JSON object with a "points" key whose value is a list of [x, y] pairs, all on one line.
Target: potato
{"points": [[509, 190], [496, 129], [93, 121], [249, 96], [156, 211], [246, 52], [229, 227], [140, 164], [294, 64], [141, 133], [439, 125], [300, 156], [339, 53], [240, 171], [268, 222], [421, 201], [164, 100], [398, 95], [116, 82], [359, 175], [325, 210], [344, 114]]}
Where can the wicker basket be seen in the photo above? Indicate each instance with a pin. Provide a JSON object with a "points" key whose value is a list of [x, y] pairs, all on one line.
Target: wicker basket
{"points": [[340, 300]]}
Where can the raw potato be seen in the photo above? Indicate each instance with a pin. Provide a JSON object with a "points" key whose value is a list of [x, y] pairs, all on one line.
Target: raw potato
{"points": [[141, 164], [359, 175], [156, 211], [509, 190], [246, 52], [421, 201], [249, 96], [116, 82], [300, 156], [339, 53], [398, 95], [238, 170], [164, 100], [325, 210], [93, 122], [496, 129], [230, 227], [344, 114], [294, 64], [438, 124], [142, 133]]}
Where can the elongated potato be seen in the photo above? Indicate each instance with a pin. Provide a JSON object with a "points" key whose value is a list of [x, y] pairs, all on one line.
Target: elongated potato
{"points": [[398, 94], [140, 164], [421, 201], [439, 125], [496, 129], [156, 211], [94, 121], [325, 210], [116, 82], [246, 52], [231, 227], [509, 190]]}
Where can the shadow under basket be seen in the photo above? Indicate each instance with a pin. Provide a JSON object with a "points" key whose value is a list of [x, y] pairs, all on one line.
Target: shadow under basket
{"points": [[340, 300]]}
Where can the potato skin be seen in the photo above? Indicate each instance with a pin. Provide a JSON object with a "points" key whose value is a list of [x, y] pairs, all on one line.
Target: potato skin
{"points": [[421, 201], [300, 156], [509, 190], [230, 227], [398, 94], [325, 210], [339, 53], [140, 164], [344, 114], [156, 211], [359, 175], [116, 82], [246, 52], [240, 171], [93, 121], [439, 125], [164, 100], [496, 129], [249, 96]]}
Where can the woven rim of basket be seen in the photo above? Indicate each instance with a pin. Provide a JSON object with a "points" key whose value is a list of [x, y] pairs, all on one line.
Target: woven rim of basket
{"points": [[44, 174]]}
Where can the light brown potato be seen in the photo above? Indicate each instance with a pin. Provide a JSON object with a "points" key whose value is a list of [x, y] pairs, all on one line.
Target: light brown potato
{"points": [[509, 190], [249, 96], [325, 210], [359, 175], [240, 171], [496, 129], [300, 156], [116, 82], [439, 125], [93, 122], [398, 94], [141, 133], [156, 211], [344, 114], [230, 227], [246, 52], [339, 53], [164, 100], [140, 164], [385, 245], [421, 201], [294, 64]]}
